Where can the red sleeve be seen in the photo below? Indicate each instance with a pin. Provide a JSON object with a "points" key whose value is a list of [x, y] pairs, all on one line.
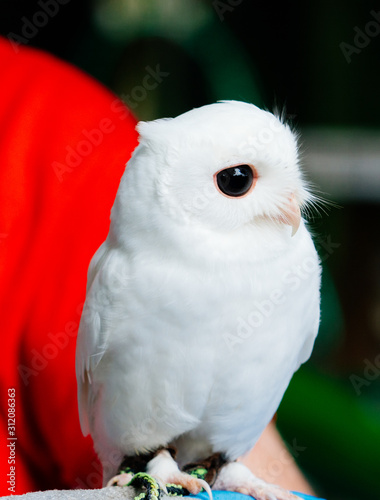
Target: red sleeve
{"points": [[64, 142]]}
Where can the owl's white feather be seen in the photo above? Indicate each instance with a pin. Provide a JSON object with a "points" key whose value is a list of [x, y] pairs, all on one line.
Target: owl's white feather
{"points": [[171, 347]]}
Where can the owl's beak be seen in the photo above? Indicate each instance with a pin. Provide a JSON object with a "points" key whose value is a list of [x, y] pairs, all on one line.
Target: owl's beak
{"points": [[291, 214]]}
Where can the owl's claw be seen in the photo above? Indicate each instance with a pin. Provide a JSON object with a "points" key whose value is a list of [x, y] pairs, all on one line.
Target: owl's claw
{"points": [[164, 468], [235, 476]]}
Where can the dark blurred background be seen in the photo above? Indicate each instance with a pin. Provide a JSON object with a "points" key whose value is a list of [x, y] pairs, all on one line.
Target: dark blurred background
{"points": [[320, 64]]}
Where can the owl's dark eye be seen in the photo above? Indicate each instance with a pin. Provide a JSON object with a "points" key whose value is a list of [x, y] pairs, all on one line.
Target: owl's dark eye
{"points": [[235, 181]]}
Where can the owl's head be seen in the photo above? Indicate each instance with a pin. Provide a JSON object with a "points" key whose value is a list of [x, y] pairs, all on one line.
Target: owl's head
{"points": [[223, 166]]}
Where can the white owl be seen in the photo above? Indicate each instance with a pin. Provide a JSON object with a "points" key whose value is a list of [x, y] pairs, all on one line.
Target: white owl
{"points": [[194, 322]]}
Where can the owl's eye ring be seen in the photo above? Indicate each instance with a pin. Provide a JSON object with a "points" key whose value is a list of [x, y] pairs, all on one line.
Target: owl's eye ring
{"points": [[236, 181]]}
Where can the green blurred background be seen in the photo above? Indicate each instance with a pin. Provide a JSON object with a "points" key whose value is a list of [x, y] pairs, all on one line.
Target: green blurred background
{"points": [[320, 64]]}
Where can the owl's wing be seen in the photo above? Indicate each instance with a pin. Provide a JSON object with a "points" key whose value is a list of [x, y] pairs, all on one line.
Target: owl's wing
{"points": [[311, 315], [93, 333], [308, 345]]}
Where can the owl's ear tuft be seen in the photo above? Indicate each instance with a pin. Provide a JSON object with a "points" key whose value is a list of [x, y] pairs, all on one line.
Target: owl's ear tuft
{"points": [[153, 129]]}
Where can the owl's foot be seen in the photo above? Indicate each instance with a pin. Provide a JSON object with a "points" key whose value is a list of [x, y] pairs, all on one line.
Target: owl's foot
{"points": [[235, 476], [165, 470], [160, 474], [121, 479]]}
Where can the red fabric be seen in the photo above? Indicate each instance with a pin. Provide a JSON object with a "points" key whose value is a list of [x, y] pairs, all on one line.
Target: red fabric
{"points": [[64, 142]]}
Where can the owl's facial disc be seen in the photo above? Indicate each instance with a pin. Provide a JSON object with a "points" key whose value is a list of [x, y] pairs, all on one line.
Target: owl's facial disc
{"points": [[236, 181]]}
